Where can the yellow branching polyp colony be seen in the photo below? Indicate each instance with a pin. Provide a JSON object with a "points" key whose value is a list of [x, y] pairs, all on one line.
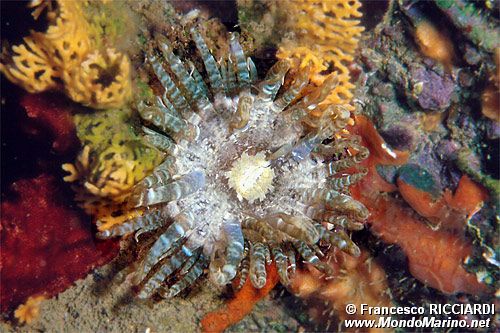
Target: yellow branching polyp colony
{"points": [[64, 57], [324, 36]]}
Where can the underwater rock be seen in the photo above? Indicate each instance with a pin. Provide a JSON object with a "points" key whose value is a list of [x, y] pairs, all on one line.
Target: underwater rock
{"points": [[435, 257], [478, 24], [46, 245], [431, 90]]}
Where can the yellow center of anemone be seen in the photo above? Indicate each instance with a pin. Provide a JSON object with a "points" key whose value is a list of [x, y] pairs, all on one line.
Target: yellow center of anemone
{"points": [[251, 177]]}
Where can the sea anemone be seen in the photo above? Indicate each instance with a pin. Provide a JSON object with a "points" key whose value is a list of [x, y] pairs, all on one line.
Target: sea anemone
{"points": [[253, 173]]}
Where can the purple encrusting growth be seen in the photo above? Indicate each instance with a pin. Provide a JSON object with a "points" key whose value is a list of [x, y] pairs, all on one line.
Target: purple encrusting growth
{"points": [[435, 90]]}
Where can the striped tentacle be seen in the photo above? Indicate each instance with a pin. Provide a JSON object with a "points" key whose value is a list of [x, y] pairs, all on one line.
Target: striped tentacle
{"points": [[336, 201], [193, 92], [273, 80], [288, 96], [242, 69], [296, 227], [281, 261], [244, 266], [200, 84], [223, 268], [257, 271], [151, 220], [231, 81], [214, 75], [344, 181], [167, 243], [262, 228], [253, 70], [310, 257], [172, 91], [339, 239], [175, 190], [160, 176], [343, 221], [166, 119], [290, 253], [317, 250], [169, 264], [191, 271], [162, 142]]}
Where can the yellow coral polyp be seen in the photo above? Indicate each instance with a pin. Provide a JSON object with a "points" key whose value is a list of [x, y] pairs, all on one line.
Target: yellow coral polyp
{"points": [[65, 57], [324, 35], [29, 311], [87, 87]]}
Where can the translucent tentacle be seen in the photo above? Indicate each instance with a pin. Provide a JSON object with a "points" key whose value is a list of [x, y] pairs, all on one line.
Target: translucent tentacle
{"points": [[304, 147], [175, 190], [310, 257], [311, 101], [253, 70], [298, 227], [339, 239], [160, 176], [150, 220], [211, 67], [231, 76], [338, 202], [343, 221], [160, 116], [261, 227], [243, 111], [171, 89], [202, 87], [281, 264], [167, 242], [258, 265], [241, 64], [342, 182], [288, 96], [193, 93], [274, 80], [244, 267], [188, 276], [160, 141], [224, 268], [171, 264]]}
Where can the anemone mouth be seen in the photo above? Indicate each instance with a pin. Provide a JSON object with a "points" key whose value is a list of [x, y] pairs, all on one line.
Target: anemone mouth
{"points": [[251, 176], [248, 178]]}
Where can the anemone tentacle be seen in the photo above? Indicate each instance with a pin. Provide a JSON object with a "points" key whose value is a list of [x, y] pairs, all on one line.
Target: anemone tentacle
{"points": [[252, 175]]}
